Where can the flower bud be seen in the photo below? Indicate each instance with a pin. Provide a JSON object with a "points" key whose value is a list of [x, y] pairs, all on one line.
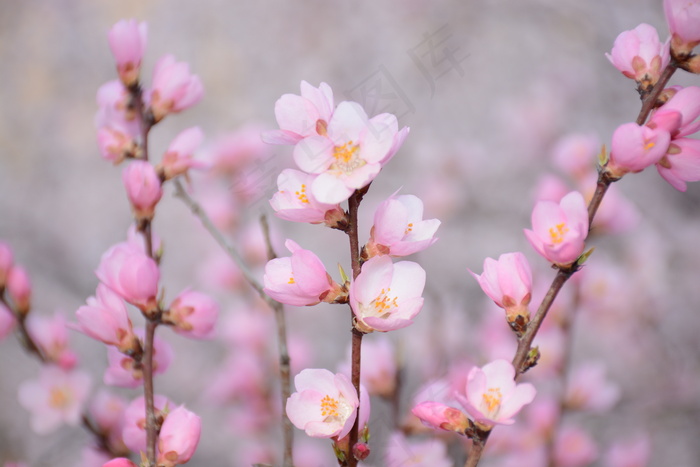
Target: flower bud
{"points": [[143, 188]]}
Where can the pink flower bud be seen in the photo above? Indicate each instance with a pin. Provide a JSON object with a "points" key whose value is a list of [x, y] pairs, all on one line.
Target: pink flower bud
{"points": [[440, 416], [325, 405], [491, 396], [131, 274], [679, 116], [681, 164], [127, 39], [508, 282], [105, 318], [559, 229], [683, 18], [6, 262], [573, 447], [178, 158], [639, 54], [50, 334], [299, 280], [399, 228], [19, 287], [193, 314], [174, 88], [588, 389], [387, 296], [634, 148], [178, 437], [143, 188], [120, 462]]}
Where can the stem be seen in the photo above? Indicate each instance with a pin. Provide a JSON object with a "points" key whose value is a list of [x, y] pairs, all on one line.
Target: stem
{"points": [[151, 430], [353, 207], [520, 360], [285, 371]]}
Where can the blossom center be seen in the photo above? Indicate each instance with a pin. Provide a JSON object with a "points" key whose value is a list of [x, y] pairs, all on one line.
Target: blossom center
{"points": [[291, 281], [409, 228], [558, 232], [492, 399], [346, 157], [649, 145], [384, 304], [58, 398], [329, 407], [301, 194]]}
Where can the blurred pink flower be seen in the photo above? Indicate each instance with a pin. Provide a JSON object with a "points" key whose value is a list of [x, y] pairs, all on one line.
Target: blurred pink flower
{"points": [[400, 452], [294, 201], [681, 163], [107, 410], [178, 437], [379, 366], [105, 318], [399, 228], [325, 405], [559, 229], [129, 272], [56, 398], [635, 452], [349, 156], [50, 334], [588, 389], [193, 314], [143, 188], [575, 154], [387, 296], [123, 371], [683, 18], [134, 432], [174, 88], [634, 148], [508, 282], [491, 396], [573, 447], [178, 159], [299, 280], [301, 116], [19, 287], [127, 40], [640, 55]]}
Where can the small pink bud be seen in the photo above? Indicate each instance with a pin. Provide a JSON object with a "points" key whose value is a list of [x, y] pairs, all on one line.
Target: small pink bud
{"points": [[105, 318], [19, 287], [193, 314], [639, 55], [360, 451], [683, 18], [441, 417], [178, 158], [130, 273], [143, 188], [174, 88], [127, 39], [178, 438]]}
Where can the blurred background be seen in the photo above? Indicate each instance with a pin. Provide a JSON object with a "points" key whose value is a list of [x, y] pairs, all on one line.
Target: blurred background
{"points": [[488, 88]]}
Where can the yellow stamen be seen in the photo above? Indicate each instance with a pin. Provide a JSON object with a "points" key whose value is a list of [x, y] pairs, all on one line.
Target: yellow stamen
{"points": [[408, 229], [291, 281], [649, 145], [492, 398], [301, 194], [557, 232], [345, 153], [58, 399], [329, 407]]}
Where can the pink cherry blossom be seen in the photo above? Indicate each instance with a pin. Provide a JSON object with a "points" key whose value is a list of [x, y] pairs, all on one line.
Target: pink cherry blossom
{"points": [[6, 262], [105, 318], [559, 229], [299, 280], [295, 202], [174, 88], [193, 314], [508, 282], [134, 432], [401, 452], [681, 163], [123, 371], [93, 456], [634, 148], [143, 188], [573, 447], [440, 416], [387, 296], [56, 398], [120, 462], [575, 154], [379, 366], [129, 272], [349, 156], [178, 437], [301, 116], [50, 334], [588, 389], [683, 18], [492, 397], [640, 55], [679, 116], [324, 405], [7, 321], [127, 39], [107, 410], [177, 160], [635, 452], [19, 287], [399, 228]]}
